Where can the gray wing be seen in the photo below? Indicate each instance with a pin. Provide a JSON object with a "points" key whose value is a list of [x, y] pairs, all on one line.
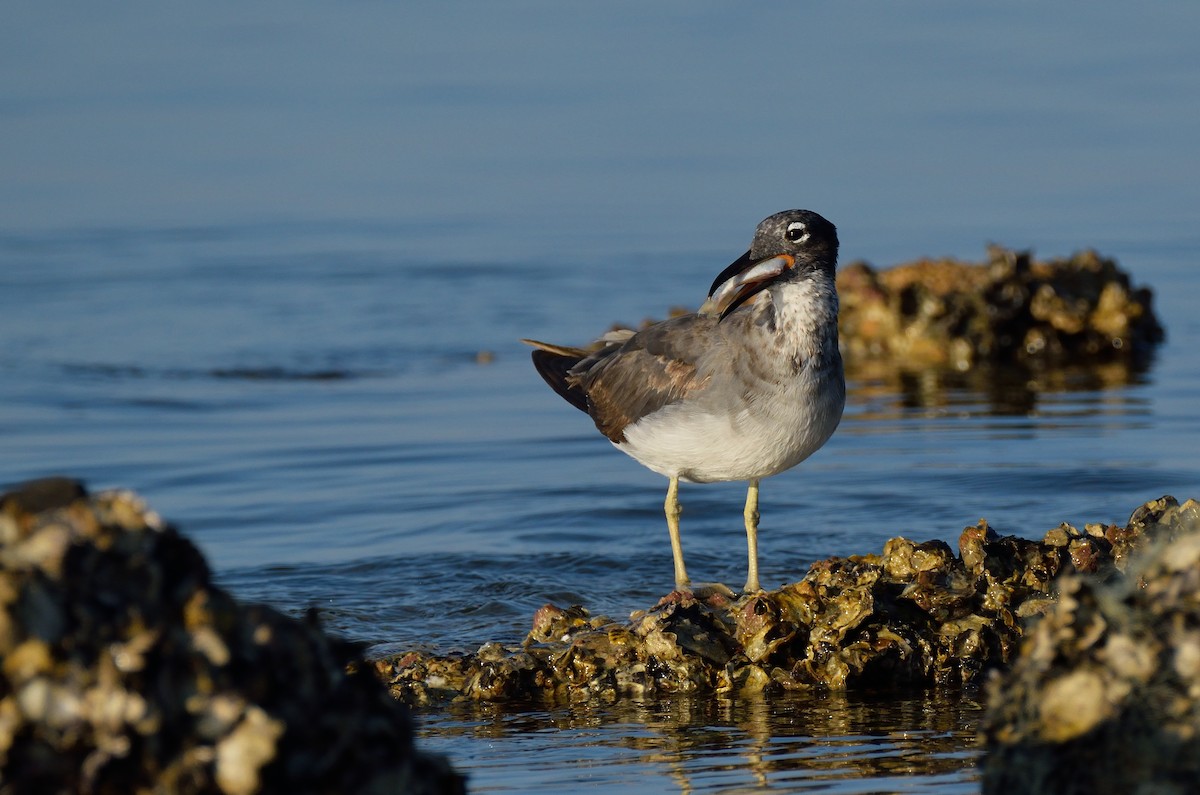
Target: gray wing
{"points": [[654, 368]]}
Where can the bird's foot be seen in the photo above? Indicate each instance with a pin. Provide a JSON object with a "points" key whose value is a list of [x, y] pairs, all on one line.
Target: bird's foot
{"points": [[705, 590], [713, 594]]}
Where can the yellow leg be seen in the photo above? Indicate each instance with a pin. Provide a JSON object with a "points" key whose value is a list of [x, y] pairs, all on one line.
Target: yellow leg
{"points": [[682, 583], [751, 515]]}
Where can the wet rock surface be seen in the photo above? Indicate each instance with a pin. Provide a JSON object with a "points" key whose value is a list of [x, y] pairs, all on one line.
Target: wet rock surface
{"points": [[1008, 310], [125, 670], [1064, 319], [1105, 695], [1009, 328], [917, 615]]}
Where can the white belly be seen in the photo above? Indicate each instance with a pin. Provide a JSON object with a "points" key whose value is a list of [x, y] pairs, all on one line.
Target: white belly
{"points": [[725, 435]]}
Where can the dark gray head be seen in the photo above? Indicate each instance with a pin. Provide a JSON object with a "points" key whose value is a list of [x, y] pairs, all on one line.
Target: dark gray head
{"points": [[808, 237], [787, 245]]}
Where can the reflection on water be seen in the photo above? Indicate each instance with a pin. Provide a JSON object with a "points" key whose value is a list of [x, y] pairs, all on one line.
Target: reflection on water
{"points": [[888, 389], [831, 742]]}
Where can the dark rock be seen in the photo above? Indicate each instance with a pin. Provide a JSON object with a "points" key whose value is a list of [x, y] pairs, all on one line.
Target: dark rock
{"points": [[1009, 329], [1104, 696], [125, 670], [916, 616], [1010, 309]]}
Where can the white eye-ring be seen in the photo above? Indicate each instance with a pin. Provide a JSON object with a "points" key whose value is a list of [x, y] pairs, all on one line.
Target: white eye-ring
{"points": [[797, 232]]}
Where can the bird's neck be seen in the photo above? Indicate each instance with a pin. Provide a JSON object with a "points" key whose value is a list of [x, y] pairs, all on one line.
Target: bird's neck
{"points": [[802, 315]]}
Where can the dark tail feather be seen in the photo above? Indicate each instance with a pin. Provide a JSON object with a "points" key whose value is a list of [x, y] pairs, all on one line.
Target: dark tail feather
{"points": [[554, 368]]}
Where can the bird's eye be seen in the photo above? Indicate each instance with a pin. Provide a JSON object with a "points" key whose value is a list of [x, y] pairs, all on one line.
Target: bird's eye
{"points": [[796, 232]]}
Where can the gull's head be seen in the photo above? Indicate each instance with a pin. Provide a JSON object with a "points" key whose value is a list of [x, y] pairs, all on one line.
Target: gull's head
{"points": [[786, 245], [803, 234]]}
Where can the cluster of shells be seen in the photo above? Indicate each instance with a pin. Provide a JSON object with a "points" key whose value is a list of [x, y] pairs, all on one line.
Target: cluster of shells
{"points": [[1010, 328], [916, 615], [1105, 695], [125, 670], [1010, 309]]}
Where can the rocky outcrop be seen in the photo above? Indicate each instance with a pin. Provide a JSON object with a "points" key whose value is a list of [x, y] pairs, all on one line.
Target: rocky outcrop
{"points": [[1104, 697], [125, 670], [917, 615], [1078, 314], [1008, 310]]}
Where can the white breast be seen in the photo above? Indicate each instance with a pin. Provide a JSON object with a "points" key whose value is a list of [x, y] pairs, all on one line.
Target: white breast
{"points": [[775, 395]]}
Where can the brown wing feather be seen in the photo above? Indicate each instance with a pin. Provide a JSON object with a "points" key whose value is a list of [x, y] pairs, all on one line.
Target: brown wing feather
{"points": [[654, 368]]}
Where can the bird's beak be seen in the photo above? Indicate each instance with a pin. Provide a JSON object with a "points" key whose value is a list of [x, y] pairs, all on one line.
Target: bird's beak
{"points": [[742, 280]]}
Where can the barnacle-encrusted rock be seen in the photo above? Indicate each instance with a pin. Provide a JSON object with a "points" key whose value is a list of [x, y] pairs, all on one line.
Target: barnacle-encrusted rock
{"points": [[1080, 314], [1104, 696], [1011, 309], [1008, 329], [916, 615], [125, 670]]}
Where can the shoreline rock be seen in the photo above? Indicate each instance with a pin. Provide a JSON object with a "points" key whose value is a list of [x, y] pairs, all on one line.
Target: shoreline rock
{"points": [[1009, 310], [918, 615], [125, 670], [1009, 328], [1104, 697], [1068, 319]]}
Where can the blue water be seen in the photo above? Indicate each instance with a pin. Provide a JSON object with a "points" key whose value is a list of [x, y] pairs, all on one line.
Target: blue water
{"points": [[268, 266]]}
